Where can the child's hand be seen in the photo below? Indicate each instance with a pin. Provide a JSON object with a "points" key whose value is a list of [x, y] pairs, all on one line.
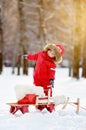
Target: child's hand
{"points": [[24, 56], [52, 82]]}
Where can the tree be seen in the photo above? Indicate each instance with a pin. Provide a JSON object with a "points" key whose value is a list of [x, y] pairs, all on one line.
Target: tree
{"points": [[10, 30], [18, 64], [84, 59], [84, 67], [83, 55], [1, 44], [24, 46], [79, 37], [1, 62], [76, 61]]}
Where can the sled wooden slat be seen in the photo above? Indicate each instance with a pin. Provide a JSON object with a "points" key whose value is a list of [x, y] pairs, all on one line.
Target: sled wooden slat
{"points": [[16, 104], [78, 105], [24, 108]]}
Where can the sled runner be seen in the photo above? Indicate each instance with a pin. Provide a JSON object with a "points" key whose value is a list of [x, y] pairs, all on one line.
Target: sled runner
{"points": [[14, 107], [24, 108]]}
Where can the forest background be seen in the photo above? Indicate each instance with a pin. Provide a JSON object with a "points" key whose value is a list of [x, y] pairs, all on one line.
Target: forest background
{"points": [[28, 25]]}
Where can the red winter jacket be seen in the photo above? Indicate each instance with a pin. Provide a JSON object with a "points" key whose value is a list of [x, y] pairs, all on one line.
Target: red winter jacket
{"points": [[44, 70]]}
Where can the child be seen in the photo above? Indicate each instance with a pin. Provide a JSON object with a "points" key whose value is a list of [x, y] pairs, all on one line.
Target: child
{"points": [[44, 73]]}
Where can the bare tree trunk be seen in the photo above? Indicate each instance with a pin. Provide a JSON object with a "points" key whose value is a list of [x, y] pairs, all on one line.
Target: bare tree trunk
{"points": [[18, 64], [42, 27], [84, 67], [77, 37], [25, 66], [1, 44], [84, 43], [76, 61], [84, 61], [70, 69], [25, 63], [1, 62], [22, 35]]}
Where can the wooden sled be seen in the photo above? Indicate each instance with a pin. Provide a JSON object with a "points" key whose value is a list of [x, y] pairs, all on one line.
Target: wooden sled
{"points": [[41, 103]]}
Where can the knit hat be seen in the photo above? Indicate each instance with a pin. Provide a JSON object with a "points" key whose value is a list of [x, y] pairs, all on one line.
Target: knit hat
{"points": [[57, 51], [61, 48]]}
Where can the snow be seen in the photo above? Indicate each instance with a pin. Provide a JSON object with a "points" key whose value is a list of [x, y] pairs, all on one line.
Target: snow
{"points": [[60, 119]]}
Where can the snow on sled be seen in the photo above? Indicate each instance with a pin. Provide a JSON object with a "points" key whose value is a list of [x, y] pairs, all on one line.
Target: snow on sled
{"points": [[27, 96]]}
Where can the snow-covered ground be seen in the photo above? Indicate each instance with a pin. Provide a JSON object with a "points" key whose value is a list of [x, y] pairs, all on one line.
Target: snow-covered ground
{"points": [[60, 119]]}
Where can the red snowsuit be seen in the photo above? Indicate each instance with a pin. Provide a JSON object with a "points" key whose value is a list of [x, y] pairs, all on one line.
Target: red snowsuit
{"points": [[44, 70]]}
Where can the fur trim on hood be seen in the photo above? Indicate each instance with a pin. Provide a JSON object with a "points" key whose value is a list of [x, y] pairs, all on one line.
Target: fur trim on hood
{"points": [[53, 47]]}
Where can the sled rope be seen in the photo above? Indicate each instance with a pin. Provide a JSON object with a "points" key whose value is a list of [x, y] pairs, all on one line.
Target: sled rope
{"points": [[83, 107], [76, 104]]}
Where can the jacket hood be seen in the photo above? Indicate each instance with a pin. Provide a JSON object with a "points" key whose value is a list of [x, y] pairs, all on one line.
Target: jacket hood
{"points": [[58, 55]]}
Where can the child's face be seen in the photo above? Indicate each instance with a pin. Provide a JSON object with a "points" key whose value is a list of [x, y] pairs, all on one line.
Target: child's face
{"points": [[51, 53]]}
